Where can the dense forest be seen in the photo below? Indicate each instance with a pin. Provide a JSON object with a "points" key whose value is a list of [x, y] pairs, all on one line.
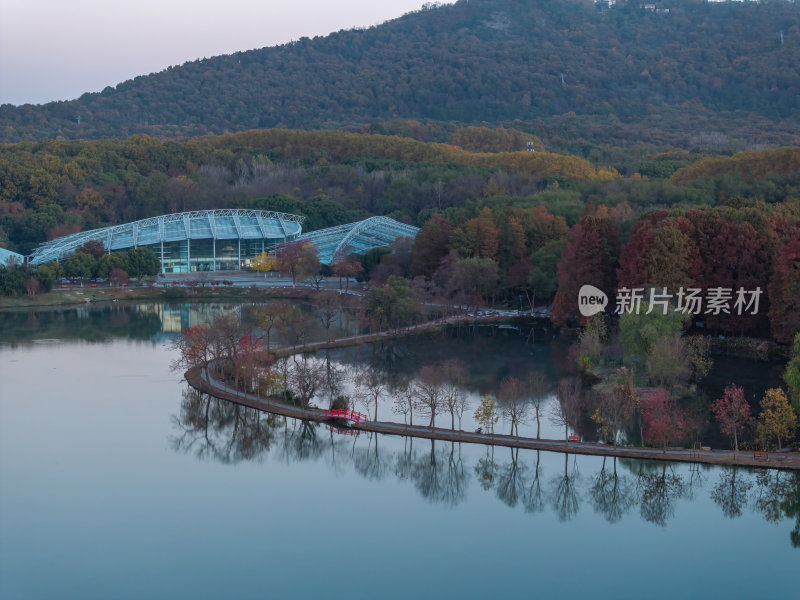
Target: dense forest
{"points": [[690, 73], [496, 227], [59, 187]]}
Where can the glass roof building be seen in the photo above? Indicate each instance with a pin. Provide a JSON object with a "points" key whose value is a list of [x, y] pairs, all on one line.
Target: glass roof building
{"points": [[209, 240], [337, 242], [7, 257], [217, 240]]}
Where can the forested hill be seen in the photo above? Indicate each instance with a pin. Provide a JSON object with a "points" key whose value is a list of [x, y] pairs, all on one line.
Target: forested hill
{"points": [[684, 69]]}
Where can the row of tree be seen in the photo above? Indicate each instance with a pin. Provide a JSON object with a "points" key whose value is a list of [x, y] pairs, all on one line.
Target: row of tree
{"points": [[230, 433], [753, 247], [89, 261], [618, 407]]}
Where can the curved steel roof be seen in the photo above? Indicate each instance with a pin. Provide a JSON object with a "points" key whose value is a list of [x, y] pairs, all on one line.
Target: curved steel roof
{"points": [[7, 257], [206, 224], [376, 232]]}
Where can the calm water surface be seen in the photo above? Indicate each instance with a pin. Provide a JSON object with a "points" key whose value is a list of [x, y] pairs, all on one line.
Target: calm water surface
{"points": [[116, 481]]}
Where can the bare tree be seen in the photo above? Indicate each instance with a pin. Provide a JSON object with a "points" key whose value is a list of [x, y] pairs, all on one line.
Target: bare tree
{"points": [[333, 380], [404, 400], [539, 388], [454, 374], [429, 390], [271, 317], [193, 347], [462, 404], [316, 279], [567, 410], [328, 309], [298, 327], [371, 385], [305, 377], [513, 402]]}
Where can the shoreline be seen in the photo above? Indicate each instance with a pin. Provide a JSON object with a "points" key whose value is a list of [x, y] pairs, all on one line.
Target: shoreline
{"points": [[199, 378]]}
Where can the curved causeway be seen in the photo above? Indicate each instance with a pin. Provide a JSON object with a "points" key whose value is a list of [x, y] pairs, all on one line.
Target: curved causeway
{"points": [[199, 378]]}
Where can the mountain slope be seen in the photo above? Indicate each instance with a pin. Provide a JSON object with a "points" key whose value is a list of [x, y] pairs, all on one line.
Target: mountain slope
{"points": [[478, 61]]}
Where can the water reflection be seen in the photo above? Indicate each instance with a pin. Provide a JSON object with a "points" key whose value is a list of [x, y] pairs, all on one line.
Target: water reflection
{"points": [[89, 323], [442, 472], [154, 321], [439, 474], [565, 491], [730, 492], [611, 493], [658, 488], [214, 429]]}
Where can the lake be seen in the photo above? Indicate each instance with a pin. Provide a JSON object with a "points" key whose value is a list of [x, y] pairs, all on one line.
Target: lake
{"points": [[117, 481]]}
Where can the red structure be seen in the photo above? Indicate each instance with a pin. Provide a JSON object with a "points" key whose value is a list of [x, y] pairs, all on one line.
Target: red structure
{"points": [[350, 415], [343, 430]]}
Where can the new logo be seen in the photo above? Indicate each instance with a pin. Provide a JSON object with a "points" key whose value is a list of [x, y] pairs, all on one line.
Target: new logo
{"points": [[591, 300]]}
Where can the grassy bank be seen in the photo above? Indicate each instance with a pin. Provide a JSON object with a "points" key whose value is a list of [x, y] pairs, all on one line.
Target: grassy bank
{"points": [[77, 295]]}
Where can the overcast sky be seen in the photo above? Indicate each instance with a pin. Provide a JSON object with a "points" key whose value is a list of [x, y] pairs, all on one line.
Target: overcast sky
{"points": [[59, 49]]}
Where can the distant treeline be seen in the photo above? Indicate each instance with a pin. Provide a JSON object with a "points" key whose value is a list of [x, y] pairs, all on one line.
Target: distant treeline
{"points": [[511, 253], [693, 74], [54, 188]]}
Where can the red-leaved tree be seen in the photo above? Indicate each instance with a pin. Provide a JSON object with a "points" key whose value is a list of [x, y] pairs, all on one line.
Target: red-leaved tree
{"points": [[732, 412], [664, 421], [590, 257], [784, 289]]}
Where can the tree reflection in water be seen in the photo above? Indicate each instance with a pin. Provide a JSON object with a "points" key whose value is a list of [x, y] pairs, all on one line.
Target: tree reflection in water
{"points": [[611, 494], [367, 461], [777, 497], [486, 468], [404, 461], [440, 475], [565, 493], [510, 486], [730, 492], [90, 323], [220, 430], [533, 499], [214, 429], [659, 487]]}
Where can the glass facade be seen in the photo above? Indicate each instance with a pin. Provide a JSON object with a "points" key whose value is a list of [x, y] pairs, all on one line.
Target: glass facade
{"points": [[188, 242], [226, 240], [190, 256]]}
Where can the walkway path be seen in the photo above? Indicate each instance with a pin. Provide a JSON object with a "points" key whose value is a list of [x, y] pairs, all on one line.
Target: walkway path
{"points": [[199, 378], [366, 338]]}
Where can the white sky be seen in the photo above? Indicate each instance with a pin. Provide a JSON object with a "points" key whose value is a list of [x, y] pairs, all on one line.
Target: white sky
{"points": [[59, 49]]}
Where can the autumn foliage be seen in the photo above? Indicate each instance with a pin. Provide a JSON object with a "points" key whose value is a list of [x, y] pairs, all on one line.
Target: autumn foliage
{"points": [[664, 421], [732, 412]]}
